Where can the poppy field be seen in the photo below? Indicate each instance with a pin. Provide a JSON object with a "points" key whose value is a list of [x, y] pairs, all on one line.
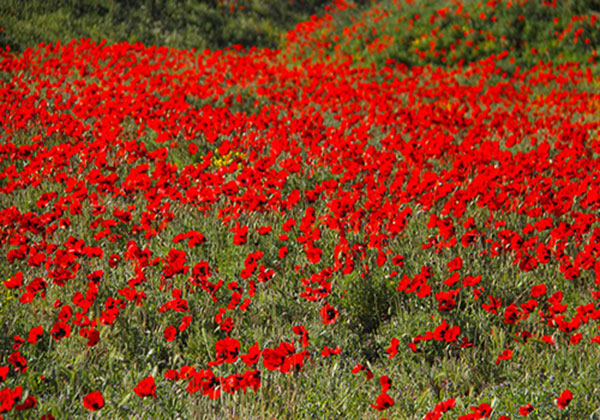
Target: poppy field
{"points": [[340, 227]]}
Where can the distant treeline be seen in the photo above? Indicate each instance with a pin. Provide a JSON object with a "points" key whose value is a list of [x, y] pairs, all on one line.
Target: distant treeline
{"points": [[175, 23]]}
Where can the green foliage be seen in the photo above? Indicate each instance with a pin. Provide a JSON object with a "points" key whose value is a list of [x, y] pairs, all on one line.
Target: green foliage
{"points": [[434, 32], [187, 24], [443, 33]]}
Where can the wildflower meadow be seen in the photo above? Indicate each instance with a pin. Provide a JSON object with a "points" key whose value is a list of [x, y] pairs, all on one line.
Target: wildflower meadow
{"points": [[390, 210]]}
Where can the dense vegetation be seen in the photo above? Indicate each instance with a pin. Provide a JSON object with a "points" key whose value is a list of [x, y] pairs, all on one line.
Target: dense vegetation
{"points": [[178, 24], [447, 33], [436, 32], [377, 216]]}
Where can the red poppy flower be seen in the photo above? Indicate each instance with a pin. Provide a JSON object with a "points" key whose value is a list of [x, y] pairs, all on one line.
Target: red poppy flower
{"points": [[392, 350], [146, 387], [3, 372], [66, 312], [326, 352], [575, 338], [185, 322], [313, 254], [34, 334], [170, 333], [329, 314], [295, 361], [18, 341], [251, 358], [273, 359], [455, 265], [264, 230], [283, 251], [564, 399], [195, 238], [227, 350], [93, 401], [512, 314], [451, 281], [506, 355], [192, 148], [29, 403], [398, 261], [452, 334], [526, 410], [241, 235], [288, 225], [14, 282], [18, 361], [93, 337], [252, 379], [385, 383], [482, 411], [60, 330], [548, 340], [303, 333], [206, 382], [360, 367], [232, 383], [538, 290], [9, 397], [227, 325], [114, 260], [384, 401]]}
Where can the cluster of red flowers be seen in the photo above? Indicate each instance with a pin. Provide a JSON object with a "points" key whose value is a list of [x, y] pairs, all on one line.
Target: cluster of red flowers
{"points": [[450, 143]]}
